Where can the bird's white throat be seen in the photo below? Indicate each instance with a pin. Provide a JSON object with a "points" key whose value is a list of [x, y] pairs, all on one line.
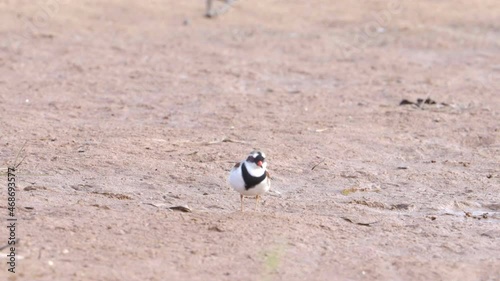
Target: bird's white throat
{"points": [[255, 170]]}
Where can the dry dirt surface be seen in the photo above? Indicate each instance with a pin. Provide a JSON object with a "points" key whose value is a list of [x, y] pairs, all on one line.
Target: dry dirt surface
{"points": [[129, 108]]}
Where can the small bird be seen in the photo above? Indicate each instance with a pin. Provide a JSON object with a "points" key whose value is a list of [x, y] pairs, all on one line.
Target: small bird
{"points": [[250, 177]]}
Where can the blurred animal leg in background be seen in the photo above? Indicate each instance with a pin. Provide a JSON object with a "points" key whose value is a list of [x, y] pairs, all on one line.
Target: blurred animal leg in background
{"points": [[210, 12], [209, 9]]}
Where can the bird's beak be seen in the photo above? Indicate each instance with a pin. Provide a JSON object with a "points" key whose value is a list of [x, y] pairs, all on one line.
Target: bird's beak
{"points": [[259, 163]]}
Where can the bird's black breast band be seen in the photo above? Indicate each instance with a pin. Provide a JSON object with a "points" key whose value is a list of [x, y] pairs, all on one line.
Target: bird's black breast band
{"points": [[250, 181]]}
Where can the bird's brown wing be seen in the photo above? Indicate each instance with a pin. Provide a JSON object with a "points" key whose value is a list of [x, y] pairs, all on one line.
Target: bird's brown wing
{"points": [[237, 165]]}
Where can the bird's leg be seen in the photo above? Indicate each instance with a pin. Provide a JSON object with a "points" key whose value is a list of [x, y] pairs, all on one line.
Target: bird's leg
{"points": [[257, 197], [241, 199]]}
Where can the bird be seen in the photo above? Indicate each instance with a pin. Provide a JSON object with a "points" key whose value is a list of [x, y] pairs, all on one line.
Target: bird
{"points": [[250, 177]]}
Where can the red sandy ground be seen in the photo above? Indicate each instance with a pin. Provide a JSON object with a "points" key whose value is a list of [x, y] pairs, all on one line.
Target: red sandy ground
{"points": [[125, 106]]}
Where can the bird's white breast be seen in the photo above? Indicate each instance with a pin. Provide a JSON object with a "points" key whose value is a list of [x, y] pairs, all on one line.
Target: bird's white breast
{"points": [[237, 183]]}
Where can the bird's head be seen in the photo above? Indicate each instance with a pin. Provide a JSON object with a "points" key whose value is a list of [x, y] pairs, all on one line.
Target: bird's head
{"points": [[257, 159]]}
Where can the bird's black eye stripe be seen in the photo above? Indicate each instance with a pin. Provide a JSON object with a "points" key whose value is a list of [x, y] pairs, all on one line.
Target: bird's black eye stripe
{"points": [[259, 158], [250, 158]]}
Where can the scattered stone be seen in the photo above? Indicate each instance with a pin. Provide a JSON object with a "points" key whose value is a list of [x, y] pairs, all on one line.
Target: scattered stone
{"points": [[104, 207], [421, 102], [184, 209], [216, 228], [426, 101], [401, 207], [406, 102], [34, 187]]}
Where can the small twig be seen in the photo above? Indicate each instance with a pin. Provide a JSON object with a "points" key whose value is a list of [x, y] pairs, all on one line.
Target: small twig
{"points": [[7, 245], [17, 156], [184, 209], [225, 140], [22, 160], [359, 223], [321, 130], [235, 141], [314, 167], [154, 205]]}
